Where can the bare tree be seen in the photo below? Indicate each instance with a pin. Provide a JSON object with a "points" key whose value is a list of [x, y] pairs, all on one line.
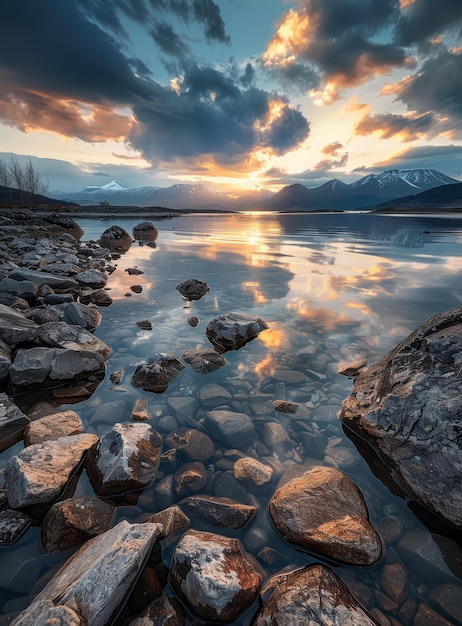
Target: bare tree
{"points": [[5, 176], [22, 177]]}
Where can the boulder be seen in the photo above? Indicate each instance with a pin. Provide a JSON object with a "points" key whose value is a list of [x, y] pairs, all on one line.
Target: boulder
{"points": [[92, 278], [54, 426], [192, 444], [217, 510], [25, 289], [125, 459], [192, 289], [91, 586], [48, 366], [325, 511], [145, 231], [233, 429], [234, 330], [158, 371], [62, 335], [213, 576], [44, 278], [313, 595], [172, 520], [15, 327], [408, 406], [12, 422], [116, 238], [5, 361], [203, 361], [71, 522], [76, 313], [163, 611], [39, 473]]}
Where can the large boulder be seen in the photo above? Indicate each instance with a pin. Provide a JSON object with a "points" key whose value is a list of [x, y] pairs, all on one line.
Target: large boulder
{"points": [[234, 330], [408, 406], [145, 231], [62, 335], [213, 576], [93, 584], [192, 289], [116, 238], [324, 511], [313, 595], [44, 278], [15, 327]]}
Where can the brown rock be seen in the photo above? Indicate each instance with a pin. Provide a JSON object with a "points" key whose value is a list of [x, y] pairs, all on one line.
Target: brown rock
{"points": [[426, 616], [393, 581], [49, 427], [218, 511], [252, 470], [140, 410], [190, 478], [192, 444], [163, 611], [172, 520], [447, 599]]}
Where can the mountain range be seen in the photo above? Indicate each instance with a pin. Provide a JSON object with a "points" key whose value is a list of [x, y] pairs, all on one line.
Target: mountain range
{"points": [[367, 192]]}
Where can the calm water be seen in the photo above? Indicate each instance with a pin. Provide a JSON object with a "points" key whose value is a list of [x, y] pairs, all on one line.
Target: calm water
{"points": [[332, 288]]}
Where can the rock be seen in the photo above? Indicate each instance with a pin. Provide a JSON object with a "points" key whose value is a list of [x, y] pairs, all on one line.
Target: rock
{"points": [[203, 361], [312, 595], [212, 575], [192, 444], [56, 298], [47, 366], [192, 289], [234, 330], [13, 524], [57, 283], [172, 520], [15, 328], [163, 611], [218, 511], [156, 374], [100, 297], [140, 411], [136, 288], [183, 407], [116, 377], [276, 438], [295, 410], [252, 470], [133, 271], [408, 406], [49, 427], [25, 289], [393, 581], [39, 473], [5, 361], [71, 522], [193, 320], [213, 395], [116, 238], [76, 587], [190, 477], [76, 313], [351, 370], [145, 324], [423, 556], [145, 231], [61, 335], [92, 278], [125, 459], [12, 422], [235, 430], [325, 511], [426, 616], [446, 598]]}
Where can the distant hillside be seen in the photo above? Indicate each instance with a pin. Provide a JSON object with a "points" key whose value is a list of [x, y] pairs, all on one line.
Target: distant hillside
{"points": [[445, 197], [16, 198]]}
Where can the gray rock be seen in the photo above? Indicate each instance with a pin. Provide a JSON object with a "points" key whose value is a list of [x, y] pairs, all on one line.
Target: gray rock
{"points": [[38, 366], [39, 473], [192, 444], [325, 511], [76, 588], [183, 407], [5, 361], [193, 320], [203, 361], [213, 576], [295, 410], [76, 313], [73, 521], [15, 327], [234, 330], [62, 335], [12, 526], [313, 595], [235, 430], [218, 511], [213, 395], [21, 288], [54, 426], [156, 374], [44, 278], [126, 459], [12, 422], [447, 599], [92, 278], [192, 289], [408, 405], [276, 438], [145, 231], [423, 556]]}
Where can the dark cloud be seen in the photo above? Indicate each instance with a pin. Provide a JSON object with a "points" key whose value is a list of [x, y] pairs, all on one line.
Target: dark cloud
{"points": [[286, 131], [248, 77], [208, 13], [409, 127], [169, 41], [423, 20], [297, 78], [436, 87]]}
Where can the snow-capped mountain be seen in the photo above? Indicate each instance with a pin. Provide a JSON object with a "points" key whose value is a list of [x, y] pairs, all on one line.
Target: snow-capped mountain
{"points": [[417, 179]]}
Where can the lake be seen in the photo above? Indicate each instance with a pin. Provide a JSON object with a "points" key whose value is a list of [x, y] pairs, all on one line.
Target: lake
{"points": [[332, 288]]}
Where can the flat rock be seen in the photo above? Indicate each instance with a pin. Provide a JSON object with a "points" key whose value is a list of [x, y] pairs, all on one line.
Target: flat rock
{"points": [[125, 459], [71, 522], [44, 278], [39, 473], [54, 426], [325, 511], [62, 335], [233, 429], [76, 588], [351, 370], [408, 406], [212, 575], [218, 511], [313, 595], [12, 422], [234, 330], [203, 361], [213, 395], [158, 371], [25, 289], [15, 327], [183, 407], [295, 410]]}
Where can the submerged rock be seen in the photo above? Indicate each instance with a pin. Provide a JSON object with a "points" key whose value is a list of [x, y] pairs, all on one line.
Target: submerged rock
{"points": [[408, 405], [156, 374], [313, 595], [234, 330], [203, 361], [145, 231], [218, 511], [325, 511]]}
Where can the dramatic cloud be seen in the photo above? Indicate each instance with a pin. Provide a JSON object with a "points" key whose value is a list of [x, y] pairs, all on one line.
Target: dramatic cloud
{"points": [[168, 41], [387, 125], [422, 20], [449, 159], [333, 40]]}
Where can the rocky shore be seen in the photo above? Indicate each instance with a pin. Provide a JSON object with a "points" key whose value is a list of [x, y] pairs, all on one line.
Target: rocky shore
{"points": [[229, 475]]}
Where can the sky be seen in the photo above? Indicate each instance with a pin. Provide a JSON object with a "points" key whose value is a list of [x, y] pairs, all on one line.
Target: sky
{"points": [[236, 94]]}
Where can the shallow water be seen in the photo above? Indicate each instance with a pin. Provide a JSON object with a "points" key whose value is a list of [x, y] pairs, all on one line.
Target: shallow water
{"points": [[332, 288]]}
